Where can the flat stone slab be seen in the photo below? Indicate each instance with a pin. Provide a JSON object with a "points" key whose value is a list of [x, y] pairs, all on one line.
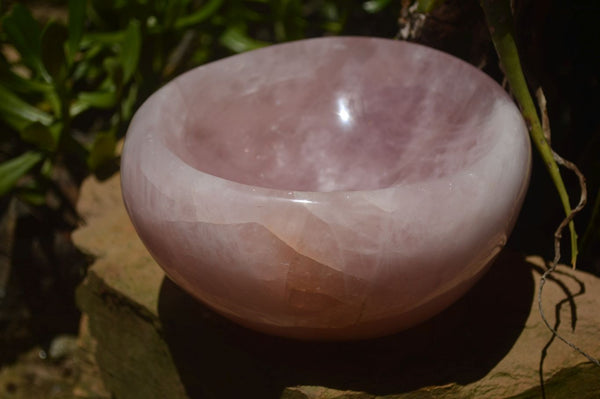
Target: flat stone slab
{"points": [[152, 340]]}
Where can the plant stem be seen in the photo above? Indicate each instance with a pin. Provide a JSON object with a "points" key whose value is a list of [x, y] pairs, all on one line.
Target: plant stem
{"points": [[500, 22]]}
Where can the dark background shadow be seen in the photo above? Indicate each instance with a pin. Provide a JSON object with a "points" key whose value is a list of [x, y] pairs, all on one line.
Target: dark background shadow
{"points": [[217, 358]]}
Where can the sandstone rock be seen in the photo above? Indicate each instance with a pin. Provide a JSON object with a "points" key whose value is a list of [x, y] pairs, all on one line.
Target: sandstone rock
{"points": [[152, 340]]}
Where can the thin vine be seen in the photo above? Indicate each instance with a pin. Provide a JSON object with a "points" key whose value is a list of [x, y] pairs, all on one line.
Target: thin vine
{"points": [[558, 233], [499, 18]]}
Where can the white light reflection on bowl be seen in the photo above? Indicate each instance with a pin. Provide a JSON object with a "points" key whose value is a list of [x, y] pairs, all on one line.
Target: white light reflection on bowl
{"points": [[343, 111]]}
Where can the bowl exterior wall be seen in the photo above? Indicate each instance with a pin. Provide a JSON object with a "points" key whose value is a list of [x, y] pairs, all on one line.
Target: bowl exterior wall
{"points": [[321, 265]]}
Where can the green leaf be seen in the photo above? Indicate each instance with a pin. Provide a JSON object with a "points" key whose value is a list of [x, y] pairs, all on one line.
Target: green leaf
{"points": [[334, 27], [77, 107], [128, 102], [20, 113], [374, 6], [47, 168], [53, 50], [11, 171], [54, 100], [109, 38], [88, 63], [102, 151], [20, 84], [426, 6], [96, 99], [32, 196], [199, 16], [33, 191], [17, 83], [25, 34], [76, 24], [115, 71], [131, 48], [41, 136], [172, 10], [236, 39]]}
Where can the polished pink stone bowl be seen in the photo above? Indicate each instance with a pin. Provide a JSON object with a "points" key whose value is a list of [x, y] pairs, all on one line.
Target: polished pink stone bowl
{"points": [[334, 188]]}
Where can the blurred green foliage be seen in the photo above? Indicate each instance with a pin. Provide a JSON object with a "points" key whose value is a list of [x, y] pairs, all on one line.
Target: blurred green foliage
{"points": [[68, 89]]}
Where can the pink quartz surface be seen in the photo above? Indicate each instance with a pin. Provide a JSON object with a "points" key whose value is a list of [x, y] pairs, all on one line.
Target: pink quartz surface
{"points": [[333, 188]]}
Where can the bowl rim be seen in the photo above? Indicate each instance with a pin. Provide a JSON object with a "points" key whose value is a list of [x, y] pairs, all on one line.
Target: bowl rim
{"points": [[315, 196]]}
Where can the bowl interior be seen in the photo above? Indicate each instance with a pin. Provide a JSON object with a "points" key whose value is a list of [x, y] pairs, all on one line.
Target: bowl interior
{"points": [[334, 115]]}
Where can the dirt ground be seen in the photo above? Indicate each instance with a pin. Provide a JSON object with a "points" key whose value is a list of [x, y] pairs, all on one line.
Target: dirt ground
{"points": [[35, 375], [65, 369]]}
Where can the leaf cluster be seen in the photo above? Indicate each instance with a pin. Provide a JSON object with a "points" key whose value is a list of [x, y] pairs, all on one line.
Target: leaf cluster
{"points": [[68, 89], [52, 78]]}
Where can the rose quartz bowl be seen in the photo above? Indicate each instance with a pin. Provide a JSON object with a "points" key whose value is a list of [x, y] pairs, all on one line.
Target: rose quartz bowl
{"points": [[334, 188]]}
